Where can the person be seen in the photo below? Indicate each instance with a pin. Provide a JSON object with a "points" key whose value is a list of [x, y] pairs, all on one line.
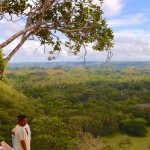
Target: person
{"points": [[13, 139], [27, 128], [21, 139]]}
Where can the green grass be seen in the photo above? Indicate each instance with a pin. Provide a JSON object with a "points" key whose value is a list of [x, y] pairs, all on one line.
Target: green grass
{"points": [[134, 143]]}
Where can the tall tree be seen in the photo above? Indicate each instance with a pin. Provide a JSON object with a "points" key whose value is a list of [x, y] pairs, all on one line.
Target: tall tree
{"points": [[80, 21]]}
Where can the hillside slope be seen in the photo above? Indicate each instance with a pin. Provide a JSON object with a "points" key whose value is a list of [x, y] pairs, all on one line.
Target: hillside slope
{"points": [[12, 103]]}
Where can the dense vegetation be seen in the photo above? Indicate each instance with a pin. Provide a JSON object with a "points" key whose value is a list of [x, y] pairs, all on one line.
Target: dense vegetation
{"points": [[67, 105]]}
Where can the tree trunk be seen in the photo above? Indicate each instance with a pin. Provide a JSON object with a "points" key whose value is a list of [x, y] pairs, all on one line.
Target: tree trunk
{"points": [[1, 72]]}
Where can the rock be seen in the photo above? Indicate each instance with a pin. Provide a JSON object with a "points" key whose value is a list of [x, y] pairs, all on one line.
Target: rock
{"points": [[5, 146]]}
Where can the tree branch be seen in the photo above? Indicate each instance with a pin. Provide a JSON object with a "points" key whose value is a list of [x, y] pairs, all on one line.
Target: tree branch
{"points": [[16, 36], [24, 31], [22, 41], [74, 30], [85, 53]]}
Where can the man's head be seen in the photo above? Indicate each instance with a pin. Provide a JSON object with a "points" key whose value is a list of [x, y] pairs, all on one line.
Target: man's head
{"points": [[22, 120]]}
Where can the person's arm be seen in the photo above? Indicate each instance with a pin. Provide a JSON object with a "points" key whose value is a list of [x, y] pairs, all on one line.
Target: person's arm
{"points": [[22, 138], [13, 131], [23, 143], [26, 130]]}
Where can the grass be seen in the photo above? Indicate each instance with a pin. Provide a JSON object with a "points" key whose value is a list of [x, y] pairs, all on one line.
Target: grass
{"points": [[124, 142]]}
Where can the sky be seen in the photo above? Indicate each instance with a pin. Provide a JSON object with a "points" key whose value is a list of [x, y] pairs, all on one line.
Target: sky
{"points": [[129, 20]]}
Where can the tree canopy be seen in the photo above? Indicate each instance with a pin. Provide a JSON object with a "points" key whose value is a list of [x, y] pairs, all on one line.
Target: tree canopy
{"points": [[80, 21], [64, 103]]}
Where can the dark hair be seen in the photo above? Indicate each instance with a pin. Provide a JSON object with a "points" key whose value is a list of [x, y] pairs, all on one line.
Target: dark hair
{"points": [[21, 117]]}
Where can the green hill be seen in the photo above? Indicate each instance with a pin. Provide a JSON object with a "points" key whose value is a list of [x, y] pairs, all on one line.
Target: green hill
{"points": [[63, 104], [12, 103]]}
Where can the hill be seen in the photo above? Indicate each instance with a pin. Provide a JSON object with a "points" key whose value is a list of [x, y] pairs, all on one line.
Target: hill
{"points": [[65, 103], [12, 103], [87, 64]]}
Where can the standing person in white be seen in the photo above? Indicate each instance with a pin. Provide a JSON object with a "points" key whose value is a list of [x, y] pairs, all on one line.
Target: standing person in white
{"points": [[22, 141], [27, 128]]}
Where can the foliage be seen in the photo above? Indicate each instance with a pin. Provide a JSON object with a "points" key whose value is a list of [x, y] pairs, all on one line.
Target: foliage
{"points": [[102, 124], [134, 126], [64, 103], [81, 22], [52, 131], [13, 103], [87, 142], [2, 64], [2, 60], [125, 143]]}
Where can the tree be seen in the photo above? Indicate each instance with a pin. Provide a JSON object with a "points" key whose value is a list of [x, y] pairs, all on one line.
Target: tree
{"points": [[55, 133], [80, 21], [2, 63], [134, 126]]}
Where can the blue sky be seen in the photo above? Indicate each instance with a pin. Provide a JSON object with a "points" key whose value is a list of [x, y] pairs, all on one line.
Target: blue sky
{"points": [[129, 19], [134, 9]]}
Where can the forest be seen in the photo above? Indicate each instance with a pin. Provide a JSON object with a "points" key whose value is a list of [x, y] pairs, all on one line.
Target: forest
{"points": [[71, 106]]}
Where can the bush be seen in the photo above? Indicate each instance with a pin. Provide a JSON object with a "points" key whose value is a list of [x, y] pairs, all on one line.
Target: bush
{"points": [[125, 143], [88, 142], [101, 124], [134, 126], [50, 133]]}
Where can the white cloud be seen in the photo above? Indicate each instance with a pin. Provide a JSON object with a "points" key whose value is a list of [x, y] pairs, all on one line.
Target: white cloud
{"points": [[129, 20], [9, 28], [129, 45], [132, 45], [112, 7]]}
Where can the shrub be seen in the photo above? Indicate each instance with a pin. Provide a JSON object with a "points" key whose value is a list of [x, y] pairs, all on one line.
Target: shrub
{"points": [[134, 126], [52, 131]]}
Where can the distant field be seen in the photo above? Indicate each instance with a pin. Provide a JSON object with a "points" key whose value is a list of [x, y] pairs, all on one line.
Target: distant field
{"points": [[134, 143]]}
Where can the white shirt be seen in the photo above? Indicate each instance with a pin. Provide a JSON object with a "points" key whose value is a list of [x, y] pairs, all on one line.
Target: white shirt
{"points": [[28, 130], [20, 135], [29, 135]]}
